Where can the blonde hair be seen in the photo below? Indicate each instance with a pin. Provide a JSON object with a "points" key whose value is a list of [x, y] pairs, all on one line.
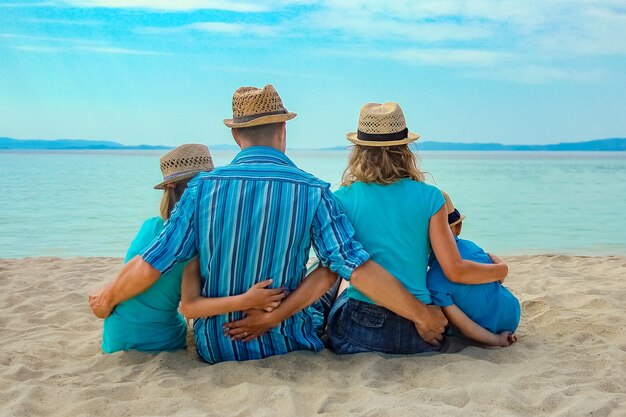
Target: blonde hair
{"points": [[381, 165], [171, 195]]}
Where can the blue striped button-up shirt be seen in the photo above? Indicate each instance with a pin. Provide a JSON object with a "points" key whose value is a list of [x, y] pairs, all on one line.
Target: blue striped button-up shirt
{"points": [[248, 221]]}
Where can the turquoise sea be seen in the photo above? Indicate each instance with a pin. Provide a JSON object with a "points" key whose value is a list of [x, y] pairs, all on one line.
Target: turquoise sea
{"points": [[91, 203]]}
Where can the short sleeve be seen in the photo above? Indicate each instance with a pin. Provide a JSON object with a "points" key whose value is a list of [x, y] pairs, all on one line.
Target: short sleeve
{"points": [[177, 241], [146, 234], [438, 286], [436, 200], [333, 238]]}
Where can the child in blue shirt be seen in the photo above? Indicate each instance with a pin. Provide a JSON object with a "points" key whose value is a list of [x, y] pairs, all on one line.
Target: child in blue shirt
{"points": [[483, 311]]}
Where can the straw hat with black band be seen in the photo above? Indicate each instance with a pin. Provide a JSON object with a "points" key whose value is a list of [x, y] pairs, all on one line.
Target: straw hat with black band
{"points": [[184, 162], [257, 106], [454, 217], [382, 125]]}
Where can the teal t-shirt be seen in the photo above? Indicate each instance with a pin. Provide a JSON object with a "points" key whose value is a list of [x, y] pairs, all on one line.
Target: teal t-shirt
{"points": [[490, 305], [391, 221], [149, 322]]}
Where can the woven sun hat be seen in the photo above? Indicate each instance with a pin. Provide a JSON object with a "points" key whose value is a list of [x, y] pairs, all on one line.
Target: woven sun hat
{"points": [[454, 217], [382, 125], [184, 162], [257, 106]]}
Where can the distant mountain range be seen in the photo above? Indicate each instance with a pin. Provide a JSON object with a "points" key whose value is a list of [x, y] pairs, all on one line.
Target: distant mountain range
{"points": [[69, 144], [605, 145]]}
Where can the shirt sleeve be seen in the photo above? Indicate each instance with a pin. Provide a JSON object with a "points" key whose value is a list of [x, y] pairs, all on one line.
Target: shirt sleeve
{"points": [[146, 234], [177, 241], [436, 201], [333, 238], [436, 282]]}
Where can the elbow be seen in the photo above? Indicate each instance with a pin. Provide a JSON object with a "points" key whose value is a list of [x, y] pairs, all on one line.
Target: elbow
{"points": [[455, 272], [187, 310]]}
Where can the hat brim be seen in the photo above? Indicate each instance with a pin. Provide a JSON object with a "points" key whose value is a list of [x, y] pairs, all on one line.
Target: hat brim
{"points": [[263, 120], [411, 137], [458, 221], [183, 176]]}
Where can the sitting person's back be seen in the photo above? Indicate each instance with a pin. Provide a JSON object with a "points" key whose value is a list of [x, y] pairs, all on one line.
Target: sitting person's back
{"points": [[486, 312], [150, 321]]}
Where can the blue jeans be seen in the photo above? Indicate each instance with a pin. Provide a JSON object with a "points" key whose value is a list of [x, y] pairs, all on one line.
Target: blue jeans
{"points": [[357, 326]]}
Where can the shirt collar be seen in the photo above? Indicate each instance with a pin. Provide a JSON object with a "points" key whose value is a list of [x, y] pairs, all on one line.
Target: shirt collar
{"points": [[262, 154]]}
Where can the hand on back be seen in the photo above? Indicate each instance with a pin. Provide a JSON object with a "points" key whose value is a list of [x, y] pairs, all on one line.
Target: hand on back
{"points": [[260, 297]]}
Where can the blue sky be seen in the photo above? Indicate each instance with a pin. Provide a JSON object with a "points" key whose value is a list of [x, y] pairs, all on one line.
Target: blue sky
{"points": [[163, 72]]}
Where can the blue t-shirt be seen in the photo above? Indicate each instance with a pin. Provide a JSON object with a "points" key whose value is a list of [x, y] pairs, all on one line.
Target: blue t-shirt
{"points": [[391, 221], [149, 322], [490, 305]]}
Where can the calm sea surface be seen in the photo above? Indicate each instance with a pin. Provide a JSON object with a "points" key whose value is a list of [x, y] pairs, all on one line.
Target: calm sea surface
{"points": [[92, 203]]}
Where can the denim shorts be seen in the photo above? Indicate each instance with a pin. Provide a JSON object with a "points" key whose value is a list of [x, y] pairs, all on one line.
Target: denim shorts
{"points": [[357, 326]]}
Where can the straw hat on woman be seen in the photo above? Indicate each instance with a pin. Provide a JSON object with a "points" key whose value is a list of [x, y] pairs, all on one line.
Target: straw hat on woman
{"points": [[397, 217], [151, 321]]}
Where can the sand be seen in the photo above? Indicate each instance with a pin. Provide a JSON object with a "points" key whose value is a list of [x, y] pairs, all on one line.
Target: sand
{"points": [[570, 359]]}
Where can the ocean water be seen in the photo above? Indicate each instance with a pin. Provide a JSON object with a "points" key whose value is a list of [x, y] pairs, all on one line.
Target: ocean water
{"points": [[91, 203]]}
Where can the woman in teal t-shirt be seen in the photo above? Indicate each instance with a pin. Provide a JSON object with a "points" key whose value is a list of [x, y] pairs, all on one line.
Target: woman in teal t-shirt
{"points": [[150, 321], [397, 217]]}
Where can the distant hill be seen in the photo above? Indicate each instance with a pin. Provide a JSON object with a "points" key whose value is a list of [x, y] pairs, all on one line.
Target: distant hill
{"points": [[605, 145], [69, 144]]}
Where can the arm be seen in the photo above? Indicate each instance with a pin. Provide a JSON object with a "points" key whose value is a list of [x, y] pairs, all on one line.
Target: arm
{"points": [[193, 305], [334, 243], [474, 331], [257, 323], [176, 243], [455, 268], [379, 285], [135, 277]]}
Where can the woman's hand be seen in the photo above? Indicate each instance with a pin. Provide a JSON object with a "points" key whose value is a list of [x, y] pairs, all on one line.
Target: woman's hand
{"points": [[263, 298], [255, 324]]}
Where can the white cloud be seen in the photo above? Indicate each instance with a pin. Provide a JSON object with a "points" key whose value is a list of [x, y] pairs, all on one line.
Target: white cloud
{"points": [[236, 29], [539, 74], [39, 49], [117, 51], [448, 57], [64, 22], [187, 5], [56, 40], [26, 4], [42, 44]]}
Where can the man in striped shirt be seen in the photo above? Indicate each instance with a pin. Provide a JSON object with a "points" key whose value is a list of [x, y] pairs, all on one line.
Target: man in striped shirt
{"points": [[256, 219]]}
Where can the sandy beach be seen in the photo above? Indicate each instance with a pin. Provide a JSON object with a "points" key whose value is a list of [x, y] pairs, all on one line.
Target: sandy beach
{"points": [[570, 359]]}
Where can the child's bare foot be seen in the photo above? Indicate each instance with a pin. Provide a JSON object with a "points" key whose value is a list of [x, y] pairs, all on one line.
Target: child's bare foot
{"points": [[506, 339]]}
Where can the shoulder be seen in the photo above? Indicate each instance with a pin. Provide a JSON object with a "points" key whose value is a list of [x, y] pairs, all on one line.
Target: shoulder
{"points": [[427, 189], [151, 226], [347, 190], [155, 222], [418, 187], [287, 173], [467, 244], [310, 179], [470, 250]]}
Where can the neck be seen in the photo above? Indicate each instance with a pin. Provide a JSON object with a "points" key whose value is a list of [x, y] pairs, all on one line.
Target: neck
{"points": [[246, 145]]}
